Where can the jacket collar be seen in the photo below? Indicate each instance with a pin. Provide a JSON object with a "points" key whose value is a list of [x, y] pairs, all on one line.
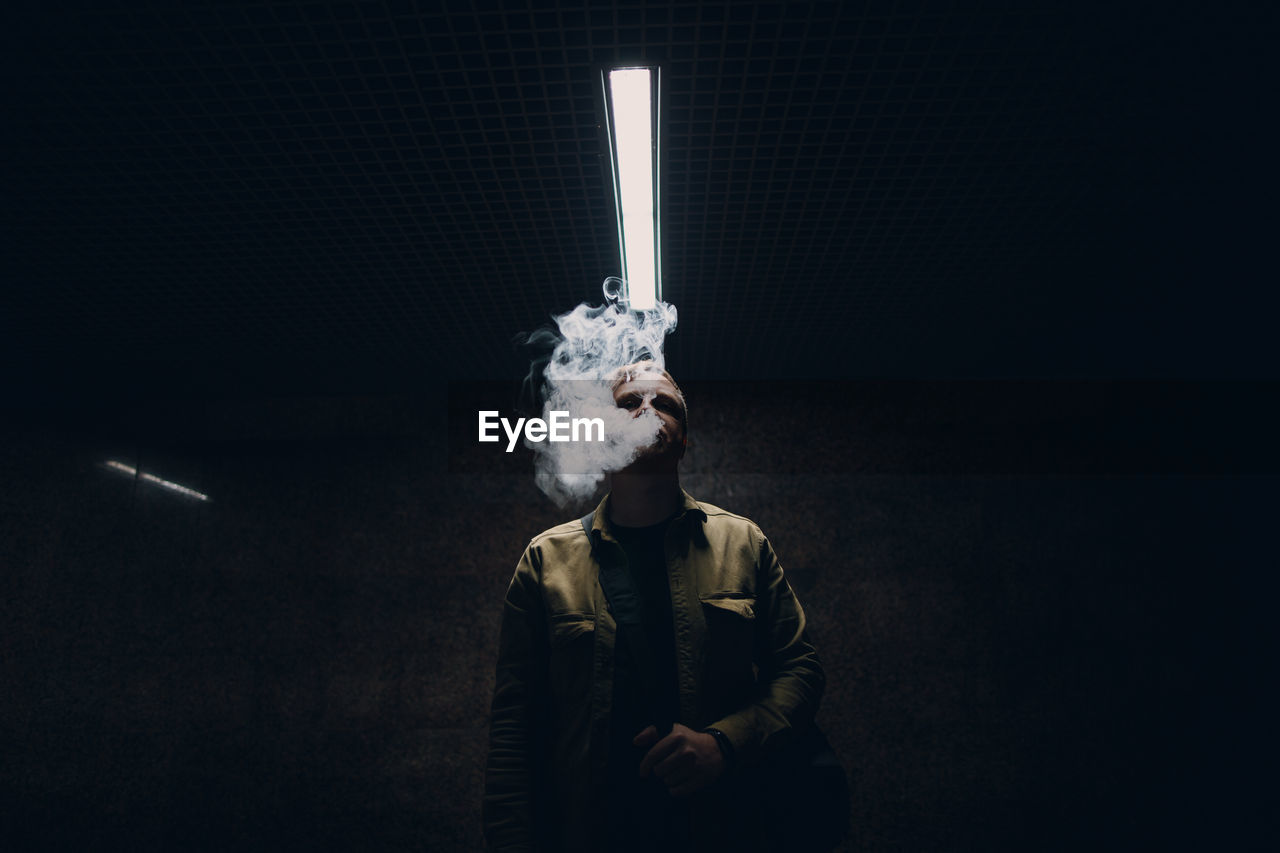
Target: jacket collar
{"points": [[690, 510]]}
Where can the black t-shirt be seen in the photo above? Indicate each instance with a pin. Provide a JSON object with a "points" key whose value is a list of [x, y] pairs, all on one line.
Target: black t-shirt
{"points": [[641, 811]]}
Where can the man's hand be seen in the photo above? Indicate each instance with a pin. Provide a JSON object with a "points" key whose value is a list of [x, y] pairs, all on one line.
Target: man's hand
{"points": [[685, 761]]}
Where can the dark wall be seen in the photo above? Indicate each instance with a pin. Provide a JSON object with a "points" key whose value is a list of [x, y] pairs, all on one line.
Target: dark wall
{"points": [[1040, 609]]}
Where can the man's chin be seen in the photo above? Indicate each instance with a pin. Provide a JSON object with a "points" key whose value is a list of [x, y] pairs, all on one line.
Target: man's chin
{"points": [[653, 457]]}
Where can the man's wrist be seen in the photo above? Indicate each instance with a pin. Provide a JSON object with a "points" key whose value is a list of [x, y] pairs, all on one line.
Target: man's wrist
{"points": [[726, 745]]}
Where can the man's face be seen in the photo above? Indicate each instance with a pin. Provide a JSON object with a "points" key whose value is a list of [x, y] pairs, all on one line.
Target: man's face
{"points": [[654, 393]]}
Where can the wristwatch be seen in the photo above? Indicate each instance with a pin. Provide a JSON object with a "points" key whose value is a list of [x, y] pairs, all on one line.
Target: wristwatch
{"points": [[726, 746]]}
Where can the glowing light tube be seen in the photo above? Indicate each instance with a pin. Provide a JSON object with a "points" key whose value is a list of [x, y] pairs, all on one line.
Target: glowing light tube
{"points": [[633, 138], [152, 478]]}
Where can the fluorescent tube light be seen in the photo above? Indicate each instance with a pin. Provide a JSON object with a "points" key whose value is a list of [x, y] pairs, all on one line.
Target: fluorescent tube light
{"points": [[152, 478], [633, 139]]}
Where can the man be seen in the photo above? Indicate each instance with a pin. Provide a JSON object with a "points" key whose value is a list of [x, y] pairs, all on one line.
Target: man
{"points": [[640, 739]]}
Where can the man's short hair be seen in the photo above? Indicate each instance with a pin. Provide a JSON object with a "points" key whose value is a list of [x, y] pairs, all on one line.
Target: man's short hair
{"points": [[642, 368]]}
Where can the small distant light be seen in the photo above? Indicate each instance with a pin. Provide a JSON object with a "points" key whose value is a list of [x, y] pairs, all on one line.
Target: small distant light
{"points": [[152, 478], [633, 139]]}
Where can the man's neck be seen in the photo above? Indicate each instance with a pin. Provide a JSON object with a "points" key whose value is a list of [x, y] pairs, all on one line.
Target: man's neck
{"points": [[639, 500]]}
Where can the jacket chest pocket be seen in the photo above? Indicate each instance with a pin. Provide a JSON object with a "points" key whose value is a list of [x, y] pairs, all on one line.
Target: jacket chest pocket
{"points": [[731, 643], [572, 649]]}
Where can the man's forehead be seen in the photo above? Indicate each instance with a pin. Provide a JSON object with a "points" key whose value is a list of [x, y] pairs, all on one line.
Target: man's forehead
{"points": [[652, 381]]}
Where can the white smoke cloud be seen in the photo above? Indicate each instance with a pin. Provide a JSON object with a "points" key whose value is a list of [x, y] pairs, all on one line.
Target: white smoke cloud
{"points": [[594, 341]]}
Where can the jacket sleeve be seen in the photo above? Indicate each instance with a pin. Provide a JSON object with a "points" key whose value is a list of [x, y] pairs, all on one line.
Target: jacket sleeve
{"points": [[790, 680], [510, 808]]}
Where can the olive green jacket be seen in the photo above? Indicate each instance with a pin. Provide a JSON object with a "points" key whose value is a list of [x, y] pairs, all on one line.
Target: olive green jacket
{"points": [[745, 666]]}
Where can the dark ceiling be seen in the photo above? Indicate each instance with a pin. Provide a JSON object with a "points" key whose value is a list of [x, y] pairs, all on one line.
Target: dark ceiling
{"points": [[302, 198]]}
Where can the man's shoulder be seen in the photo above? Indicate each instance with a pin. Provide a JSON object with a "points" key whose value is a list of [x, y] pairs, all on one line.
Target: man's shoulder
{"points": [[723, 518], [730, 524], [560, 533], [560, 552]]}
